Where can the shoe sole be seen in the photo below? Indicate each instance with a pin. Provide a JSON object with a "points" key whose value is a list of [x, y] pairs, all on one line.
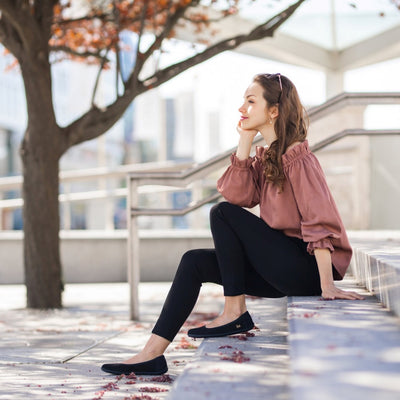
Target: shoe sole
{"points": [[220, 335], [136, 373]]}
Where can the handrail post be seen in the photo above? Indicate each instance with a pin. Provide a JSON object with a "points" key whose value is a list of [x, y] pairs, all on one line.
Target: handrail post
{"points": [[2, 213], [109, 213], [133, 250], [197, 196], [67, 215]]}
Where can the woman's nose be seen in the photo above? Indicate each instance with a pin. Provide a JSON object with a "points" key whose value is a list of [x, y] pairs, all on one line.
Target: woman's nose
{"points": [[242, 109]]}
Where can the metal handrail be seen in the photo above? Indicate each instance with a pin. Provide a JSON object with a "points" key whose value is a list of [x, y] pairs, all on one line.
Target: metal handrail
{"points": [[15, 182], [184, 178], [175, 211], [93, 174], [352, 98], [353, 132]]}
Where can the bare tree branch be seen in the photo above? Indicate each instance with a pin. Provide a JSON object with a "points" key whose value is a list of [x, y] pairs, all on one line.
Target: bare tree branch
{"points": [[96, 84], [142, 58], [3, 30], [117, 50], [139, 56], [9, 37], [96, 121], [83, 54], [206, 21], [19, 17], [9, 10], [43, 12], [169, 25], [7, 6], [22, 3], [26, 27], [261, 31], [103, 17]]}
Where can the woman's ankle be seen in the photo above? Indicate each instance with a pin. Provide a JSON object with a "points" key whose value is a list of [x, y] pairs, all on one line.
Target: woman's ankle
{"points": [[150, 354], [142, 356], [233, 314], [235, 306], [155, 346]]}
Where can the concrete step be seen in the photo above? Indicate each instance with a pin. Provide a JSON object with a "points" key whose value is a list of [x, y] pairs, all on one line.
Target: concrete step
{"points": [[241, 367], [376, 265], [340, 349]]}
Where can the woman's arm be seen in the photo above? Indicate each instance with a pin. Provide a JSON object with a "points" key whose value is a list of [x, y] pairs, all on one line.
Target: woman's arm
{"points": [[328, 288], [245, 142], [239, 183]]}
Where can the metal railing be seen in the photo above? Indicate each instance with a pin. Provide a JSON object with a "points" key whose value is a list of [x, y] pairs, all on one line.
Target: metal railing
{"points": [[187, 177], [99, 175], [348, 99]]}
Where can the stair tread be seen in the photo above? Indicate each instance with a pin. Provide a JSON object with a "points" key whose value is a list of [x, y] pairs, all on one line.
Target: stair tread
{"points": [[343, 349], [209, 376], [376, 265]]}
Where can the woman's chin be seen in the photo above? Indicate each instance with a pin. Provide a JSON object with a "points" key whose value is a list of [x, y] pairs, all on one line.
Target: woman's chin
{"points": [[246, 125]]}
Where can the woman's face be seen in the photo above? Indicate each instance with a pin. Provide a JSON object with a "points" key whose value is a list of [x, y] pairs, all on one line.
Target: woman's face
{"points": [[254, 110]]}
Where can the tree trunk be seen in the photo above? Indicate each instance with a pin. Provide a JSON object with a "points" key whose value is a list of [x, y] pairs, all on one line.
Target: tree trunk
{"points": [[41, 227], [40, 153]]}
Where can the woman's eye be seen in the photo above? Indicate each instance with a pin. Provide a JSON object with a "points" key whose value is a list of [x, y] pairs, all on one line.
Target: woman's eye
{"points": [[251, 101]]}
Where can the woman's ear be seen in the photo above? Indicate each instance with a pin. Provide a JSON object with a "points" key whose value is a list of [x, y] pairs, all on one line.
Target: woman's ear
{"points": [[273, 112]]}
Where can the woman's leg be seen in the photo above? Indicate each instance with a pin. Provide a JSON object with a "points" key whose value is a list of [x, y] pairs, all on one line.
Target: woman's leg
{"points": [[195, 268], [249, 257], [242, 238]]}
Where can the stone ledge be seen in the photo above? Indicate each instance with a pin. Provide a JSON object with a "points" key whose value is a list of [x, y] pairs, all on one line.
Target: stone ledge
{"points": [[376, 265], [343, 349]]}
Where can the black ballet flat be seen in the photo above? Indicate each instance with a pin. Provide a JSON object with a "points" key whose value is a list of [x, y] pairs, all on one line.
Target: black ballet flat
{"points": [[156, 366], [243, 324]]}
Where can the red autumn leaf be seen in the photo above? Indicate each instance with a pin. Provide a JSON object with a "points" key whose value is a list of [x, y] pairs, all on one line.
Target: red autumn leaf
{"points": [[162, 378], [148, 389], [184, 344], [237, 356]]}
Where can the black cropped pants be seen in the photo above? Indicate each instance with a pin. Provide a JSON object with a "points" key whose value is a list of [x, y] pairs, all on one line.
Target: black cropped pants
{"points": [[249, 258]]}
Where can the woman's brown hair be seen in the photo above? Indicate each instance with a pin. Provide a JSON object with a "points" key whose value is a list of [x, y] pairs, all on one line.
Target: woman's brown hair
{"points": [[290, 125]]}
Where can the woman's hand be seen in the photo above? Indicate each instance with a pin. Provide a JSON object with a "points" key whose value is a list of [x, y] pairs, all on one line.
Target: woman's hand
{"points": [[331, 292], [246, 140], [247, 133]]}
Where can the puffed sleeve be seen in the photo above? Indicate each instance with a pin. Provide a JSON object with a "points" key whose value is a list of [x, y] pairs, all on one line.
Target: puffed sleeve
{"points": [[321, 225], [239, 183]]}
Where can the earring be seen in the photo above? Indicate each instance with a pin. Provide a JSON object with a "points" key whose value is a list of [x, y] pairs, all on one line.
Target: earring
{"points": [[270, 121]]}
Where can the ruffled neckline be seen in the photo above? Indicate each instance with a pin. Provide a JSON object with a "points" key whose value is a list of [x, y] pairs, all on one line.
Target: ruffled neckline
{"points": [[291, 155]]}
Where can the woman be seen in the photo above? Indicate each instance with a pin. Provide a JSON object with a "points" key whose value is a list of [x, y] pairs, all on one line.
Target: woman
{"points": [[298, 246]]}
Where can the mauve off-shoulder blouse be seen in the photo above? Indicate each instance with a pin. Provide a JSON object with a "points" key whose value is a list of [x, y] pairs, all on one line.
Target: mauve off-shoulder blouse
{"points": [[304, 209]]}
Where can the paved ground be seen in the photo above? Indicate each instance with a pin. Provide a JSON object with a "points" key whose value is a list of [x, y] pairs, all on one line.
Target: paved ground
{"points": [[58, 354]]}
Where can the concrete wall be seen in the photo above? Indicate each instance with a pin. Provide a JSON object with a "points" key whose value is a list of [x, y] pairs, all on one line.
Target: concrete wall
{"points": [[385, 183], [89, 256], [347, 165]]}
